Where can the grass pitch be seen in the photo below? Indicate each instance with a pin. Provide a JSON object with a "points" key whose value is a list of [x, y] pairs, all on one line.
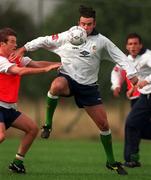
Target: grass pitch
{"points": [[70, 160]]}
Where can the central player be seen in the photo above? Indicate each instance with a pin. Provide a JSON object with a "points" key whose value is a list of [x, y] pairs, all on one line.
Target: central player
{"points": [[79, 74]]}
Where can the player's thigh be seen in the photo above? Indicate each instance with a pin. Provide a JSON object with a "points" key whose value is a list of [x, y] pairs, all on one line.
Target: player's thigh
{"points": [[96, 111], [24, 123]]}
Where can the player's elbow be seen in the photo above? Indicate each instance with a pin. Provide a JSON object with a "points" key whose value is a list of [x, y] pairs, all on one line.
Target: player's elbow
{"points": [[16, 70]]}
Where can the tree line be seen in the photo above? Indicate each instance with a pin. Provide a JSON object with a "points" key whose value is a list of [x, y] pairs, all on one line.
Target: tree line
{"points": [[115, 19]]}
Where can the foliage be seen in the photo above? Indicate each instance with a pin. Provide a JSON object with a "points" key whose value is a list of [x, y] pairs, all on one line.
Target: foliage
{"points": [[19, 21], [115, 19], [26, 30]]}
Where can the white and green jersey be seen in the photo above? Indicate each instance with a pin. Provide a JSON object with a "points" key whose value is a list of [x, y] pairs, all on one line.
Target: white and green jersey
{"points": [[144, 71], [82, 63]]}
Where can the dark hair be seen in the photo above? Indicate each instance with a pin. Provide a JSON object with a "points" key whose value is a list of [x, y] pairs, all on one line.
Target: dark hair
{"points": [[87, 12], [134, 35], [5, 32]]}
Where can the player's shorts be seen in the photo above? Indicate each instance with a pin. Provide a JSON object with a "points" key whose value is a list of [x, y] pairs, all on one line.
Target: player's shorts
{"points": [[8, 116], [85, 95]]}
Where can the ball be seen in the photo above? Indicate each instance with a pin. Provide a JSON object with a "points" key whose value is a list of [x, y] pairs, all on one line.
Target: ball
{"points": [[77, 35]]}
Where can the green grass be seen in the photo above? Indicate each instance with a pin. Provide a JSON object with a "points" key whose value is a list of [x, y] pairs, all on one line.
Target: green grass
{"points": [[70, 160]]}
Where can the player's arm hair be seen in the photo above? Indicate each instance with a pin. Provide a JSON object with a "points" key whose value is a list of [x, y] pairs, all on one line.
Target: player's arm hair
{"points": [[32, 70], [37, 64], [25, 70]]}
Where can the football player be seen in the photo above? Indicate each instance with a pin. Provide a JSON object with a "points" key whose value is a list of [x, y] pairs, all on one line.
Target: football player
{"points": [[78, 76]]}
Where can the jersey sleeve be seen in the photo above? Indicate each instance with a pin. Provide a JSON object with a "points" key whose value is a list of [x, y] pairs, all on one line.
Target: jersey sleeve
{"points": [[48, 42], [116, 77], [5, 64], [25, 61], [147, 62], [120, 58]]}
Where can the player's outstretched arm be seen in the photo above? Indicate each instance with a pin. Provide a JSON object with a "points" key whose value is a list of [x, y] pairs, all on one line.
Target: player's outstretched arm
{"points": [[37, 64], [29, 70]]}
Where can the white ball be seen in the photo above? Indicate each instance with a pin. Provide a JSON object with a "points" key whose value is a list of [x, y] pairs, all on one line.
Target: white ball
{"points": [[77, 35]]}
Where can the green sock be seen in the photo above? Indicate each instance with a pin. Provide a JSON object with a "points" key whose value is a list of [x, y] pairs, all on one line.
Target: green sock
{"points": [[18, 159], [107, 144], [51, 106]]}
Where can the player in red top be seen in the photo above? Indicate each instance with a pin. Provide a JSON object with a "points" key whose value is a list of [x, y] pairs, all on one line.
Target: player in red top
{"points": [[118, 77], [10, 75]]}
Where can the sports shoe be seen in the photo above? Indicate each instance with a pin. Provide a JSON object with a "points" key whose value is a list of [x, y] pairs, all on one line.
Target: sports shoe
{"points": [[132, 164], [45, 132], [17, 168], [117, 166]]}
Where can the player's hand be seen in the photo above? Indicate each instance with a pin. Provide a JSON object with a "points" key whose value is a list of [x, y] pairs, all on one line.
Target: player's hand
{"points": [[18, 53], [53, 66], [141, 84], [130, 92], [134, 80], [116, 91]]}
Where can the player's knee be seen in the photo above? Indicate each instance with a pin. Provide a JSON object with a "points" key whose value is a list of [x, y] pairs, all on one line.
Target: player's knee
{"points": [[104, 126], [57, 88], [33, 130], [2, 137]]}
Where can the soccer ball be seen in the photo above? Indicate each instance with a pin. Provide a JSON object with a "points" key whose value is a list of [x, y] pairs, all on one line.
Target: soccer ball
{"points": [[77, 35]]}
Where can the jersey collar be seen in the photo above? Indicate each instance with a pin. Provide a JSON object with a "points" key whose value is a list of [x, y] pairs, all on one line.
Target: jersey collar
{"points": [[94, 32]]}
